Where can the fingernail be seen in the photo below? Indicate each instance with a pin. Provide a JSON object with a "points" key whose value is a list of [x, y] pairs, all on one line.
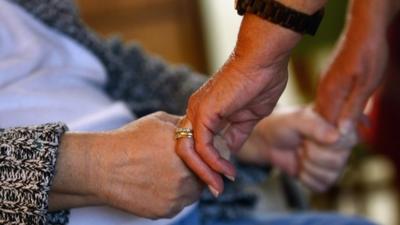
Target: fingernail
{"points": [[213, 191], [231, 178]]}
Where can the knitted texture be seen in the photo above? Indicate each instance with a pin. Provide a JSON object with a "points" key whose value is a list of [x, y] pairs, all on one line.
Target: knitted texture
{"points": [[27, 166]]}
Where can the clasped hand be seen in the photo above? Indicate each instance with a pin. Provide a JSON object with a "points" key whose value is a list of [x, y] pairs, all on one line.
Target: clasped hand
{"points": [[134, 168]]}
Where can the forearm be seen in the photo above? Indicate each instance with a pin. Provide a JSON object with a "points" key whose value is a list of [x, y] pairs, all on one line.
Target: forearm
{"points": [[372, 16], [263, 43], [359, 60]]}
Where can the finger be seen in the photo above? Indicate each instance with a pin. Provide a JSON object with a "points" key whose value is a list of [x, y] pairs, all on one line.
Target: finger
{"points": [[185, 150], [321, 174], [286, 160], [312, 183], [330, 158], [204, 146], [314, 127]]}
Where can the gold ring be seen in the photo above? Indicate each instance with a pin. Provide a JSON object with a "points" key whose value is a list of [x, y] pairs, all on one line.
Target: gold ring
{"points": [[182, 132]]}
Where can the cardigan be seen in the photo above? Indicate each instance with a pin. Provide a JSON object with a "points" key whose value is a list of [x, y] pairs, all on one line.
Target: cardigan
{"points": [[145, 83]]}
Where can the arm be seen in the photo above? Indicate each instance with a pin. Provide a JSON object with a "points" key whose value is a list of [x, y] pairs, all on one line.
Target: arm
{"points": [[359, 61], [243, 92], [113, 168]]}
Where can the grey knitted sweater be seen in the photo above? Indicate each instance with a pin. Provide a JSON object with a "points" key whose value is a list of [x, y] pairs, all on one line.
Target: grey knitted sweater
{"points": [[28, 154]]}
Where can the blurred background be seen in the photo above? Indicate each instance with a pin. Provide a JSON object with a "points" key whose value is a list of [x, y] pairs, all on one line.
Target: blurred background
{"points": [[202, 33]]}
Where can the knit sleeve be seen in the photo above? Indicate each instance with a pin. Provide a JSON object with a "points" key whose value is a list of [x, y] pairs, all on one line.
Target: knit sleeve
{"points": [[148, 84], [27, 166]]}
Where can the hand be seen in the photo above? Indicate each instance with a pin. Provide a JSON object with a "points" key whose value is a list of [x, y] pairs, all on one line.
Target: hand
{"points": [[359, 63], [243, 92], [134, 168], [301, 144], [356, 72], [322, 164]]}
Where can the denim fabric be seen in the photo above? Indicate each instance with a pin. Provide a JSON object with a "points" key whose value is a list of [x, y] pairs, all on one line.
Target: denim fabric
{"points": [[311, 218]]}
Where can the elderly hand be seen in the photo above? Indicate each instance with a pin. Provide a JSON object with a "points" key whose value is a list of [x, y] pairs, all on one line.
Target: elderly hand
{"points": [[134, 168], [243, 92], [303, 145]]}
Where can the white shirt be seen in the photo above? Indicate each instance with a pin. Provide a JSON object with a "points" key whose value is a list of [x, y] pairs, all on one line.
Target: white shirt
{"points": [[47, 77]]}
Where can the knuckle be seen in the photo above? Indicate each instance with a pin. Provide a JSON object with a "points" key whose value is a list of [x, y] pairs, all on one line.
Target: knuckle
{"points": [[158, 113]]}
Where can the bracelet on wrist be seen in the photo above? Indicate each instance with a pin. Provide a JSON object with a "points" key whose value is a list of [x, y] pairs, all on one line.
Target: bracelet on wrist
{"points": [[282, 15]]}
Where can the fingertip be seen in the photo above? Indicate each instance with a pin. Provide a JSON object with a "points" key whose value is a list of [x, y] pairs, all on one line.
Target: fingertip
{"points": [[213, 191], [228, 168], [215, 185]]}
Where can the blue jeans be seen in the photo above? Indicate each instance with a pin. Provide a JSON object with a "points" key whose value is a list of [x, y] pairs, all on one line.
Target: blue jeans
{"points": [[291, 219]]}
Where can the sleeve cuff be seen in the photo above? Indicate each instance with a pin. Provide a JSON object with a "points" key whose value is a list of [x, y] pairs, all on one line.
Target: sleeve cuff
{"points": [[27, 166]]}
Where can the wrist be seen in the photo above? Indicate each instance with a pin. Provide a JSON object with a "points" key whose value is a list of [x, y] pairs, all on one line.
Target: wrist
{"points": [[58, 201], [263, 43], [73, 168]]}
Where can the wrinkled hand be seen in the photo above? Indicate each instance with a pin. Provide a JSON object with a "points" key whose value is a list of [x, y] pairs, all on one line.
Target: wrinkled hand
{"points": [[135, 168], [243, 92], [301, 144]]}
